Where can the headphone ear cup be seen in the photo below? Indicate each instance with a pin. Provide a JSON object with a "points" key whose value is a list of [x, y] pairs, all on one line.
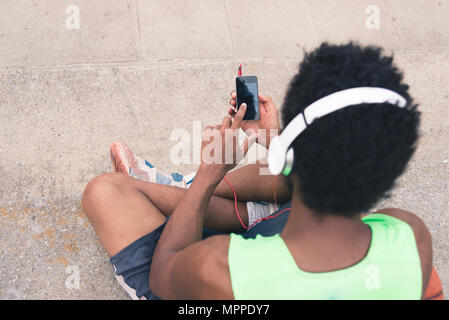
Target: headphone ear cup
{"points": [[276, 156], [289, 160]]}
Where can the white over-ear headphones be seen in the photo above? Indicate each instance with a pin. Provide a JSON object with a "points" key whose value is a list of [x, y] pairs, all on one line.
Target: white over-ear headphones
{"points": [[280, 153]]}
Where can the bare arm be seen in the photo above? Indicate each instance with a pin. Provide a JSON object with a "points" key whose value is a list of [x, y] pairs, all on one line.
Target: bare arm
{"points": [[184, 267], [250, 185], [183, 264]]}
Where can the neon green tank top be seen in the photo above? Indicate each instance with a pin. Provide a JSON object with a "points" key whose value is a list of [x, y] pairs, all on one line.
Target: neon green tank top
{"points": [[263, 268]]}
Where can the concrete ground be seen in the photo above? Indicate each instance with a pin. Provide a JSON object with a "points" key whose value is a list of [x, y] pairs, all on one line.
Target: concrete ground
{"points": [[136, 70]]}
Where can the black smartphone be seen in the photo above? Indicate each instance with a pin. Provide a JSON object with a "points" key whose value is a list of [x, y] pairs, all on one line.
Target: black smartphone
{"points": [[247, 92]]}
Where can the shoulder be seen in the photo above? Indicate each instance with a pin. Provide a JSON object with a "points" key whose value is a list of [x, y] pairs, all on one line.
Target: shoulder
{"points": [[422, 237], [422, 234], [213, 250]]}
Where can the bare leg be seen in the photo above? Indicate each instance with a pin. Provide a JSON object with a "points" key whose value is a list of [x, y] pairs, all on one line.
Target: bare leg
{"points": [[119, 212], [221, 215], [123, 209]]}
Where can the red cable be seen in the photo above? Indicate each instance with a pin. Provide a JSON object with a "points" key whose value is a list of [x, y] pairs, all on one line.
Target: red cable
{"points": [[261, 219]]}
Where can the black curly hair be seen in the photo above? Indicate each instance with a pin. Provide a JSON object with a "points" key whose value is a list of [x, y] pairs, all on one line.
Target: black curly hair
{"points": [[350, 159]]}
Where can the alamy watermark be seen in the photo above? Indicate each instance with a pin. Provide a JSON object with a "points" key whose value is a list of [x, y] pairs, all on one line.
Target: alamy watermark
{"points": [[73, 280], [72, 21], [372, 22], [372, 281], [217, 148]]}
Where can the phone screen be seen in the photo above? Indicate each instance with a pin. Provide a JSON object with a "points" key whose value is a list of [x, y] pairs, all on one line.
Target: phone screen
{"points": [[247, 92]]}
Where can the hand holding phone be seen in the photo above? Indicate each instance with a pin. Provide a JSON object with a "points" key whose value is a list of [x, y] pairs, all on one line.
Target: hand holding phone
{"points": [[269, 117]]}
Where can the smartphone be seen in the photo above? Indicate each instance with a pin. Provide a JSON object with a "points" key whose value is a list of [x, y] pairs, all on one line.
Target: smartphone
{"points": [[247, 92]]}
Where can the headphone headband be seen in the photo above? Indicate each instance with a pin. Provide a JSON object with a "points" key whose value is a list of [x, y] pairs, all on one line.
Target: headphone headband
{"points": [[279, 146]]}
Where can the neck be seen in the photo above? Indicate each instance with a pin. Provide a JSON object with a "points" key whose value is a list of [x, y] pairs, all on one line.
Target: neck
{"points": [[303, 220], [321, 243]]}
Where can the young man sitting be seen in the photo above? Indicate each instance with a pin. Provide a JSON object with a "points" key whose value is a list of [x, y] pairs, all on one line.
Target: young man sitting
{"points": [[171, 238]]}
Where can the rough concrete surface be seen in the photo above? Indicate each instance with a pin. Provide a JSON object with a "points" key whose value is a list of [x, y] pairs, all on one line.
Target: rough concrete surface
{"points": [[136, 70]]}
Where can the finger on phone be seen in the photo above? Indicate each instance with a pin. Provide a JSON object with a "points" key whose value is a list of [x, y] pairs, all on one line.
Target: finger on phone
{"points": [[233, 94], [232, 102]]}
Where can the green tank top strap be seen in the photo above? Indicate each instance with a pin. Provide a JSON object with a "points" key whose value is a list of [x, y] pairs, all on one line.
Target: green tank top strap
{"points": [[263, 268]]}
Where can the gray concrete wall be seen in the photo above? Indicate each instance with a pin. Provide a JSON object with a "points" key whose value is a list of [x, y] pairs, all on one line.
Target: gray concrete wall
{"points": [[136, 70]]}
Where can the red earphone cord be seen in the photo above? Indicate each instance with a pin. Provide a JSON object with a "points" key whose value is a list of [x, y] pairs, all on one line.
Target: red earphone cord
{"points": [[261, 219]]}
